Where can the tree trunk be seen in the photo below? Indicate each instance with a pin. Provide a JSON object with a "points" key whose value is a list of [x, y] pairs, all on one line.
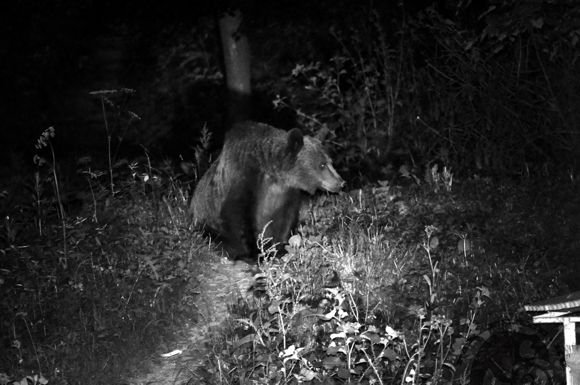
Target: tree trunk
{"points": [[236, 51]]}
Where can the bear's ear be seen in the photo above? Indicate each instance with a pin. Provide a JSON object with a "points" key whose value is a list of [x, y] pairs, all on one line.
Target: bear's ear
{"points": [[295, 141]]}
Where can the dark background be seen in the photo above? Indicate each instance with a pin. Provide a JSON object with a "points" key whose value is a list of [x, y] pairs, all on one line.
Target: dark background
{"points": [[55, 53]]}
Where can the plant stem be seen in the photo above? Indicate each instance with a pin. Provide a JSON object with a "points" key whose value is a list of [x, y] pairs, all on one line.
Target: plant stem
{"points": [[109, 157], [59, 200], [37, 191]]}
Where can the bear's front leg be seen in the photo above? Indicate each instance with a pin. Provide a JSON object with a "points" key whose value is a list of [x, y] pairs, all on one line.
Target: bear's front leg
{"points": [[238, 233]]}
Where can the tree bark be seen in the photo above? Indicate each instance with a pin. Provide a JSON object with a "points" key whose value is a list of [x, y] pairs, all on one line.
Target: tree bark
{"points": [[236, 52]]}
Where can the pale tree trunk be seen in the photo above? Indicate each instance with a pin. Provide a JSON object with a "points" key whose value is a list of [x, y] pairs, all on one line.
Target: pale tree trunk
{"points": [[236, 51]]}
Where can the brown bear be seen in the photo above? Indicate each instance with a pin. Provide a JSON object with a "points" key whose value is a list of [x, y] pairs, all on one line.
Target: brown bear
{"points": [[256, 185]]}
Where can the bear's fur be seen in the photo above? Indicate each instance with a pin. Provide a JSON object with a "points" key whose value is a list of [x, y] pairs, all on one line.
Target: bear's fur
{"points": [[256, 185]]}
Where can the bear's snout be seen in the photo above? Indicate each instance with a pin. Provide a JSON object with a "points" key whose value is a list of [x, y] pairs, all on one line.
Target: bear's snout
{"points": [[333, 182]]}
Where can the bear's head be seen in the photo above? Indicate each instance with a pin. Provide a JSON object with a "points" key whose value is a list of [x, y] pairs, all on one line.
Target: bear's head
{"points": [[311, 167]]}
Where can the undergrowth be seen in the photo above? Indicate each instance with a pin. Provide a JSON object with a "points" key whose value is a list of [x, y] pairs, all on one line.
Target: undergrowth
{"points": [[393, 286], [99, 271], [433, 89], [95, 278], [389, 284], [384, 285]]}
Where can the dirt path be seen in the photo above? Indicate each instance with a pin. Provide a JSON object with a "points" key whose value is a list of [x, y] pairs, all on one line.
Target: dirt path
{"points": [[221, 285]]}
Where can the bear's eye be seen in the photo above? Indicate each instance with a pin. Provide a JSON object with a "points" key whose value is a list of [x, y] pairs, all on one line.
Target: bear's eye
{"points": [[322, 166]]}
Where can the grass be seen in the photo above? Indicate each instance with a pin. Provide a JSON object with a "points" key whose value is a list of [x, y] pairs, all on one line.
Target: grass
{"points": [[397, 289], [385, 285], [125, 283]]}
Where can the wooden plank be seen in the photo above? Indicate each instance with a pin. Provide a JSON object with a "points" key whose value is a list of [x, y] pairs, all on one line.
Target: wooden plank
{"points": [[568, 301], [552, 314], [555, 320], [569, 347], [565, 310]]}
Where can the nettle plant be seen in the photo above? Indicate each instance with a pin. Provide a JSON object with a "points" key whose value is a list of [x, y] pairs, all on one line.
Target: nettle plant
{"points": [[311, 326]]}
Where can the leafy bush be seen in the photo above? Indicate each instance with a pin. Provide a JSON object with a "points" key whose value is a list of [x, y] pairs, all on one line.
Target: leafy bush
{"points": [[382, 298], [490, 100]]}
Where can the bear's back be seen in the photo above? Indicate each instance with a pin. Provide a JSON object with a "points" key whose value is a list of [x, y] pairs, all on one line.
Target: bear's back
{"points": [[256, 146]]}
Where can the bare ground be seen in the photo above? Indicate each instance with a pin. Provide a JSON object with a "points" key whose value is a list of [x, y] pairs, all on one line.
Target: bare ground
{"points": [[222, 284]]}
